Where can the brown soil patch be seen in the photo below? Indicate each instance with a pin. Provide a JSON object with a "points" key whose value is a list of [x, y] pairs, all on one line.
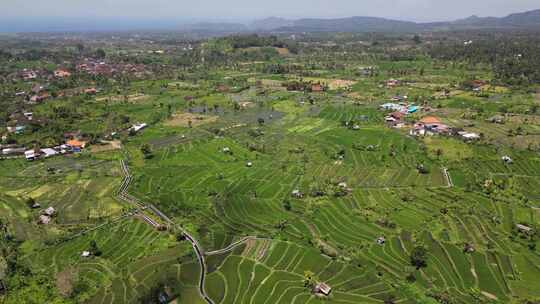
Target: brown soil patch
{"points": [[340, 83], [283, 51], [106, 146], [250, 245], [262, 250], [183, 119], [64, 281]]}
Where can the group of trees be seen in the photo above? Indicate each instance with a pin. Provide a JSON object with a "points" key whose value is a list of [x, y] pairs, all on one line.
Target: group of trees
{"points": [[254, 40], [515, 59]]}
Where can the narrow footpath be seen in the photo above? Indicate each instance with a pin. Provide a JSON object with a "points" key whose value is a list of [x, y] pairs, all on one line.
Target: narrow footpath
{"points": [[142, 206]]}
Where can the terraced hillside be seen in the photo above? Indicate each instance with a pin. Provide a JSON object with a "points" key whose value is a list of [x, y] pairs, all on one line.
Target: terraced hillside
{"points": [[328, 192]]}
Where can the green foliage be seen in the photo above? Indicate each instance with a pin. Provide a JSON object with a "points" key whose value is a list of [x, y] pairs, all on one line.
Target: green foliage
{"points": [[419, 257]]}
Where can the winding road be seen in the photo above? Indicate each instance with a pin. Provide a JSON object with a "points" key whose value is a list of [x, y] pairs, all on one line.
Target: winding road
{"points": [[142, 206]]}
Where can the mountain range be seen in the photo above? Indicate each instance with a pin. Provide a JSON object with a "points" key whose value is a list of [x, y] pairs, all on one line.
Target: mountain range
{"points": [[525, 20], [529, 20]]}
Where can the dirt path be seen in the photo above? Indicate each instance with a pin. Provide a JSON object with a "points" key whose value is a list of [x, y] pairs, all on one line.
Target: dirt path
{"points": [[448, 178], [141, 206]]}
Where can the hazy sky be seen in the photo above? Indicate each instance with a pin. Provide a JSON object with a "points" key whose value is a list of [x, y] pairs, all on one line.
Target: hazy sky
{"points": [[415, 10]]}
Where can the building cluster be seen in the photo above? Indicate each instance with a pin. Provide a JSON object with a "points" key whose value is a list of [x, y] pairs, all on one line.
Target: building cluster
{"points": [[71, 146], [427, 126], [99, 67], [400, 110]]}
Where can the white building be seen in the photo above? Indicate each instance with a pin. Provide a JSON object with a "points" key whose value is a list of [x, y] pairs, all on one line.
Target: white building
{"points": [[31, 154], [48, 152], [138, 127]]}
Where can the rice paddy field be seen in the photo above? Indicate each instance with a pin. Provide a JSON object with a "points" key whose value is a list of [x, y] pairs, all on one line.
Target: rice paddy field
{"points": [[263, 195], [240, 182]]}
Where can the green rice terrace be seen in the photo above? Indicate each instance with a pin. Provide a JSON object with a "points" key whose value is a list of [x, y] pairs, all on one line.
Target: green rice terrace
{"points": [[416, 183]]}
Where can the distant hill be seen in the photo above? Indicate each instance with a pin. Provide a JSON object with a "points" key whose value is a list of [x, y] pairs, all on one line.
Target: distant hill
{"points": [[526, 20], [353, 24], [271, 23], [530, 19]]}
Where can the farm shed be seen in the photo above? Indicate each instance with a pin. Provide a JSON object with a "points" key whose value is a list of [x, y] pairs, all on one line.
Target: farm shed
{"points": [[322, 289], [523, 228], [507, 159], [296, 193]]}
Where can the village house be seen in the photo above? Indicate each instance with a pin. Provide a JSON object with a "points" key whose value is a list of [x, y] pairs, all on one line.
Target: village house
{"points": [[429, 126], [381, 240], [317, 88], [90, 91], [48, 152], [412, 109], [395, 116], [76, 145], [31, 154], [16, 129], [28, 115], [322, 289], [61, 73], [392, 83], [28, 75], [392, 107]]}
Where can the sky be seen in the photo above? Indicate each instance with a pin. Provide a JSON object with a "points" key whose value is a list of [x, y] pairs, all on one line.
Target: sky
{"points": [[245, 10]]}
